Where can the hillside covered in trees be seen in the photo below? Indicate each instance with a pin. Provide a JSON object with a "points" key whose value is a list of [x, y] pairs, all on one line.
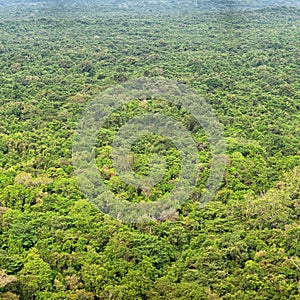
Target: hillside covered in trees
{"points": [[242, 57]]}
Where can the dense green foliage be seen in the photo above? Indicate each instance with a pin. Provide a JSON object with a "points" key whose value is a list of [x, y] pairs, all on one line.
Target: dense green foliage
{"points": [[55, 57]]}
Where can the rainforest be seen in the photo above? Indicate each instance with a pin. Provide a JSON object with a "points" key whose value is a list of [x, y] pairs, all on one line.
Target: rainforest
{"points": [[242, 58]]}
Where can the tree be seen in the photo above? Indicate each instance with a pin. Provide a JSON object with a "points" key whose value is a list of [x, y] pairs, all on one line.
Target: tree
{"points": [[36, 276]]}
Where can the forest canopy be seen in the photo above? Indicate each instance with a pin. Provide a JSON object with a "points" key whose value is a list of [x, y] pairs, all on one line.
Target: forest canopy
{"points": [[242, 57]]}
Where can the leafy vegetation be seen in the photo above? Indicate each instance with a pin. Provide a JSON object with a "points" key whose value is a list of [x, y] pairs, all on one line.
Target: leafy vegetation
{"points": [[243, 58]]}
